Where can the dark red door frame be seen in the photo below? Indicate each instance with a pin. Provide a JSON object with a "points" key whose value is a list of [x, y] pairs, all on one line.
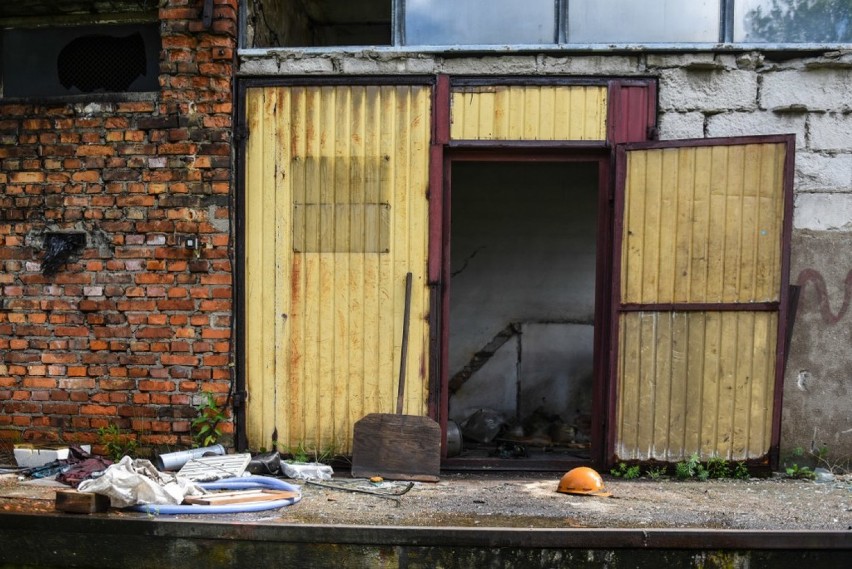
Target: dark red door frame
{"points": [[631, 116]]}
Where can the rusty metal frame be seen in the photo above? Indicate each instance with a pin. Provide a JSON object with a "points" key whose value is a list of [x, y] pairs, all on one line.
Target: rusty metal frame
{"points": [[629, 118]]}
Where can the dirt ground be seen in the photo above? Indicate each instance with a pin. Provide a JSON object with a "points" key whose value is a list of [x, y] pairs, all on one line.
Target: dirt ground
{"points": [[530, 500]]}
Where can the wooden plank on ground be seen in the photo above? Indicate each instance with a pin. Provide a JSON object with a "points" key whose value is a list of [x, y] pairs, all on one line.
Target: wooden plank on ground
{"points": [[243, 497]]}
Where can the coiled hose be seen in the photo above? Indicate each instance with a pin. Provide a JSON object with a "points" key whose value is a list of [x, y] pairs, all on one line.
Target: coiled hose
{"points": [[244, 483]]}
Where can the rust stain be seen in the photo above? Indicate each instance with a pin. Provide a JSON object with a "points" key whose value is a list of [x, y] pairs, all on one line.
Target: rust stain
{"points": [[296, 280]]}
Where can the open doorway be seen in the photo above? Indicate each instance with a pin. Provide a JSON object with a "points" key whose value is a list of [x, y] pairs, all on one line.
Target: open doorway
{"points": [[524, 240]]}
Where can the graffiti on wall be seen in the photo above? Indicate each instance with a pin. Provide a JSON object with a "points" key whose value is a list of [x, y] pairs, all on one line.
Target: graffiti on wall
{"points": [[818, 281]]}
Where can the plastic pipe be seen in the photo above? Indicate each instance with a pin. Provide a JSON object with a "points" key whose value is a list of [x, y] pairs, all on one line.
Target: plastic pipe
{"points": [[175, 460], [243, 483]]}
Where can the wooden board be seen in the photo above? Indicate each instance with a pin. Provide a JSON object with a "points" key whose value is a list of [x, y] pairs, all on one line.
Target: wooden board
{"points": [[397, 447], [241, 497], [74, 502]]}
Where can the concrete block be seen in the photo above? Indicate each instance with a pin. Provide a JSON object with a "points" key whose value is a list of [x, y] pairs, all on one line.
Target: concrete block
{"points": [[817, 89], [823, 172], [831, 131], [308, 65], [681, 125], [823, 212], [591, 65], [258, 66], [497, 65], [748, 124], [364, 65], [676, 60], [424, 65], [715, 91], [387, 64]]}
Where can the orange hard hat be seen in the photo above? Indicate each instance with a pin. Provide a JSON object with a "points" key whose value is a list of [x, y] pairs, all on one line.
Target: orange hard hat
{"points": [[582, 480]]}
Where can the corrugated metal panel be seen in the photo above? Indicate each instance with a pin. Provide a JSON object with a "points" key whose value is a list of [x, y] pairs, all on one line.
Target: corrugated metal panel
{"points": [[703, 224], [695, 382], [524, 112], [336, 215]]}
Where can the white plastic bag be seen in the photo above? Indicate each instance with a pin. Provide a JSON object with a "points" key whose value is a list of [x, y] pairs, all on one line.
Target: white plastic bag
{"points": [[307, 470], [132, 482]]}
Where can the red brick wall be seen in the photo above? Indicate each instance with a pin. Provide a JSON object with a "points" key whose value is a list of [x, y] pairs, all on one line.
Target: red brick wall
{"points": [[135, 329]]}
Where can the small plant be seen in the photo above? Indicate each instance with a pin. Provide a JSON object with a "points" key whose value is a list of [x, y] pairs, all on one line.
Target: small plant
{"points": [[741, 471], [691, 468], [794, 470], [655, 472], [717, 467], [800, 472], [301, 453], [117, 443], [835, 465], [205, 426], [626, 472]]}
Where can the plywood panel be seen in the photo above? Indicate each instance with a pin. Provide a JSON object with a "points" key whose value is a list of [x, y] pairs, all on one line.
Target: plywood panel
{"points": [[703, 224], [695, 382], [336, 182], [529, 112]]}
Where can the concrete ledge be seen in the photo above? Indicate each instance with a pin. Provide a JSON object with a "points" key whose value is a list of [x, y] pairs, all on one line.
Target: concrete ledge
{"points": [[72, 541]]}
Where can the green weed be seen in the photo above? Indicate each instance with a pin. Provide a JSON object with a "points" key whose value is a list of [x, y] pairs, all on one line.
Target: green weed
{"points": [[205, 427], [117, 443]]}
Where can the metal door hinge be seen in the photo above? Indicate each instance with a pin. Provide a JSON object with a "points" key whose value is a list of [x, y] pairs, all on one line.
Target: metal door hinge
{"points": [[240, 398]]}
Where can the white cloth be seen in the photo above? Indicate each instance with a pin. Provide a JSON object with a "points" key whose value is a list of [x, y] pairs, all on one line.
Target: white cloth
{"points": [[133, 482]]}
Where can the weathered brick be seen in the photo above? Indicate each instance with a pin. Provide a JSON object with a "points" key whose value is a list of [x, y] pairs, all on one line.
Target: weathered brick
{"points": [[80, 338]]}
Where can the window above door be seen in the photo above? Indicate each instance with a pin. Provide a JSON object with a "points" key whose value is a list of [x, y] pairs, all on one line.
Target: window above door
{"points": [[578, 24]]}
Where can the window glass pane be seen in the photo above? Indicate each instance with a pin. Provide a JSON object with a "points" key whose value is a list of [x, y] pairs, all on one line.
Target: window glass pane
{"points": [[793, 21], [480, 22], [645, 21]]}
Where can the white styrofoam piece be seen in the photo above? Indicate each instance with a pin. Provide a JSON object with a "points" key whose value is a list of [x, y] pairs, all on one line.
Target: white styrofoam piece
{"points": [[27, 457], [208, 468]]}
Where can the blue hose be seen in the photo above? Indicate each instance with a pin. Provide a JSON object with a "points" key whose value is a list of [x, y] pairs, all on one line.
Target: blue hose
{"points": [[244, 483]]}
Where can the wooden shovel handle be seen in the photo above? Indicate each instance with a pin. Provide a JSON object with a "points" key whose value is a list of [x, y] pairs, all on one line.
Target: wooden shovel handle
{"points": [[403, 357]]}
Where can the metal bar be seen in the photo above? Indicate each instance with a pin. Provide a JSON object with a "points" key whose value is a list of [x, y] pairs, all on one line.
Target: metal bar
{"points": [[545, 153], [601, 388], [726, 21], [781, 346], [238, 288], [725, 140], [548, 49], [403, 355], [527, 144], [398, 23], [386, 495], [337, 80]]}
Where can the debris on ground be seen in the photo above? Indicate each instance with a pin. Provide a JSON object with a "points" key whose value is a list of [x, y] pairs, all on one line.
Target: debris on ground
{"points": [[132, 482]]}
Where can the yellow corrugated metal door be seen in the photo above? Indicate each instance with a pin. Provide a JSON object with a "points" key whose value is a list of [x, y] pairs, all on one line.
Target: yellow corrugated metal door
{"points": [[335, 216], [701, 275]]}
